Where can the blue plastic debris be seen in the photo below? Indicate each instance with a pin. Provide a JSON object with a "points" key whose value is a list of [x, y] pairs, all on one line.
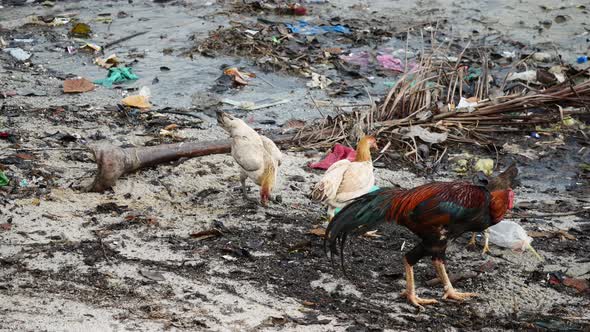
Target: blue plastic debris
{"points": [[535, 134], [304, 28], [582, 59]]}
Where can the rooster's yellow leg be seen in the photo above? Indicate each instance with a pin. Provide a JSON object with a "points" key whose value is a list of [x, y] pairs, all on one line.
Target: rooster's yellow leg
{"points": [[472, 242], [410, 292], [486, 246], [450, 292]]}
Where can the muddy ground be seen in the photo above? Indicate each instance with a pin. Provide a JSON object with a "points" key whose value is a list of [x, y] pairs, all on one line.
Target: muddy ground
{"points": [[125, 259]]}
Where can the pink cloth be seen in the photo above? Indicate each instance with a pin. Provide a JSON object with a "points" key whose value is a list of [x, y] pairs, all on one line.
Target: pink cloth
{"points": [[339, 152], [389, 62]]}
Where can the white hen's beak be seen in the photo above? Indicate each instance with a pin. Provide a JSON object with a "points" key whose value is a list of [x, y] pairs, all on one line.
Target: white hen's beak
{"points": [[223, 118]]}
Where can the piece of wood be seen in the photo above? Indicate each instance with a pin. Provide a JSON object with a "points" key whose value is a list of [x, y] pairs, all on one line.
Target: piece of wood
{"points": [[113, 162]]}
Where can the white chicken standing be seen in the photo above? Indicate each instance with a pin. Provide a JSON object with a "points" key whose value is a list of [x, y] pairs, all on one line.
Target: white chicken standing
{"points": [[258, 156], [345, 180]]}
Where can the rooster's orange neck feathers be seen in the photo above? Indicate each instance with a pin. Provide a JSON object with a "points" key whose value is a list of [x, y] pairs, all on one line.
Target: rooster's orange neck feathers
{"points": [[363, 149], [502, 201]]}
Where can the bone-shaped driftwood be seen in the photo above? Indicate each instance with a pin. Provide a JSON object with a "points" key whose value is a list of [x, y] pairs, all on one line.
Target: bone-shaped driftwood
{"points": [[113, 162]]}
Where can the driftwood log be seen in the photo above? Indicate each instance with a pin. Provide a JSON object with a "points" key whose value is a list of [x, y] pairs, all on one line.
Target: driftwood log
{"points": [[113, 162]]}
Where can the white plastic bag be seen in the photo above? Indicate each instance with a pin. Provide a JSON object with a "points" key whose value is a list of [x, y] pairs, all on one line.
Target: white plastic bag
{"points": [[509, 234]]}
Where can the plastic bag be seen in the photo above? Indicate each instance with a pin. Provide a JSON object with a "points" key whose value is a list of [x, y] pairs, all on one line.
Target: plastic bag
{"points": [[509, 234]]}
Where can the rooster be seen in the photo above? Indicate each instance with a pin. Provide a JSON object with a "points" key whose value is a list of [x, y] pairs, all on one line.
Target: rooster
{"points": [[258, 156], [435, 212], [503, 181], [346, 180]]}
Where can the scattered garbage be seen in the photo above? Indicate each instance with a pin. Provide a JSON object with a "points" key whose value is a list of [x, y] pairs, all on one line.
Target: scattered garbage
{"points": [[117, 75], [287, 9], [467, 104], [251, 106], [152, 275], [582, 59], [18, 53], [525, 76], [3, 179], [509, 234], [81, 30], [339, 152], [484, 165], [77, 85], [207, 234], [108, 62], [542, 57], [319, 81], [581, 285], [424, 134], [91, 47], [239, 78], [304, 28], [140, 100], [389, 62], [360, 59]]}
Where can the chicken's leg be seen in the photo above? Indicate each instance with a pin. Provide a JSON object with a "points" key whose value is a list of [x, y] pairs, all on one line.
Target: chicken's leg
{"points": [[243, 177], [450, 292], [410, 292], [486, 243], [472, 242]]}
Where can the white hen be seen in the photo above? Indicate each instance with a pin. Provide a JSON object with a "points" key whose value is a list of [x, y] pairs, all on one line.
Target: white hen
{"points": [[345, 180], [259, 158]]}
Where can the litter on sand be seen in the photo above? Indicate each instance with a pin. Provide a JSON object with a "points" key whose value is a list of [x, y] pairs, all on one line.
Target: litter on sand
{"points": [[77, 85], [304, 28], [117, 75], [511, 235], [251, 106], [339, 152]]}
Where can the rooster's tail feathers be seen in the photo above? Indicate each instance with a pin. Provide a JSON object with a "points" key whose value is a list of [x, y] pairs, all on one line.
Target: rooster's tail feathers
{"points": [[361, 215]]}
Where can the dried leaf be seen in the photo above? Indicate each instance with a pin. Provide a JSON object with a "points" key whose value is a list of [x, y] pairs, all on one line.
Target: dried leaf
{"points": [[78, 85], [321, 232], [81, 30], [137, 101], [108, 62], [580, 284], [171, 127]]}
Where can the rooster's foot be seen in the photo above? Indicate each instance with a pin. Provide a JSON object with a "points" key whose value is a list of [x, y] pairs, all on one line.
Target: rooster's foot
{"points": [[372, 234], [472, 244], [416, 301], [452, 294]]}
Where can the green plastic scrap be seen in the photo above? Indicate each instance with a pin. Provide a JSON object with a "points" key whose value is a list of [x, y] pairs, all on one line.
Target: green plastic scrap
{"points": [[473, 73], [117, 75], [3, 179]]}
